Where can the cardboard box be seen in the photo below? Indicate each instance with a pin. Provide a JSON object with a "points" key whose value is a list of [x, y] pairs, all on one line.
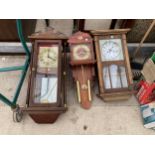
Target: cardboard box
{"points": [[148, 115], [148, 71]]}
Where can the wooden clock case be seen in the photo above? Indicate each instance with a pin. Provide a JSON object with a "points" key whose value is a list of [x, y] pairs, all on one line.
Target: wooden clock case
{"points": [[82, 70], [119, 93], [47, 112]]}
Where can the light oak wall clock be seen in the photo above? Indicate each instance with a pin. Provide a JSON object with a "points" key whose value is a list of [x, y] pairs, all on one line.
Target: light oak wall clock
{"points": [[114, 72], [82, 60], [46, 92]]}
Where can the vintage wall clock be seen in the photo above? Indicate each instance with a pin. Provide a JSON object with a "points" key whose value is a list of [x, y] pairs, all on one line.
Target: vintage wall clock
{"points": [[114, 72], [46, 92], [82, 60]]}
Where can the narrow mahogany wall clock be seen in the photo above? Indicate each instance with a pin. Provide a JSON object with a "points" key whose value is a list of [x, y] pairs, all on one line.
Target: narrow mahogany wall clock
{"points": [[114, 72], [46, 93], [82, 60]]}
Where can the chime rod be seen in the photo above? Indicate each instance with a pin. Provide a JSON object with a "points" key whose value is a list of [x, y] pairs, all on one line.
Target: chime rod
{"points": [[78, 91], [143, 39], [89, 90]]}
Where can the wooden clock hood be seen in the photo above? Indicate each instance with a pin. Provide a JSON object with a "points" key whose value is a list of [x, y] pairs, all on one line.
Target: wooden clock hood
{"points": [[80, 37], [49, 33]]}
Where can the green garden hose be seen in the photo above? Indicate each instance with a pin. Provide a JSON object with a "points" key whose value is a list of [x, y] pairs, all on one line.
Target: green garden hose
{"points": [[20, 34]]}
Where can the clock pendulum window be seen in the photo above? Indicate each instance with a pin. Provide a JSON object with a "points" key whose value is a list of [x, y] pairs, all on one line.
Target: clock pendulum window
{"points": [[46, 98], [82, 61], [114, 72]]}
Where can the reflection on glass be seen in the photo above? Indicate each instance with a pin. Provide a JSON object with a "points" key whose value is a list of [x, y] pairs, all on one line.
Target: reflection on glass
{"points": [[114, 77], [106, 78], [46, 89], [123, 77]]}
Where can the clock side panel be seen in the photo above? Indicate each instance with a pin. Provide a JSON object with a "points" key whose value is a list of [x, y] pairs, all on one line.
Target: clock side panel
{"points": [[127, 59], [29, 95], [99, 64]]}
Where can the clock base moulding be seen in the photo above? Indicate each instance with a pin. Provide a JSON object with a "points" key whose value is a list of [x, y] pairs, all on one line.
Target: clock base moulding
{"points": [[45, 118], [111, 97], [44, 115]]}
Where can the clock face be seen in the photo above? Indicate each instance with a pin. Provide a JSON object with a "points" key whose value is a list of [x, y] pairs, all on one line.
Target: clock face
{"points": [[48, 57], [111, 50], [81, 52]]}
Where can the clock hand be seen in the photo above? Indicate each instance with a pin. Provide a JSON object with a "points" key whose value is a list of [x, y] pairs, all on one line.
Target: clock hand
{"points": [[54, 59], [48, 56]]}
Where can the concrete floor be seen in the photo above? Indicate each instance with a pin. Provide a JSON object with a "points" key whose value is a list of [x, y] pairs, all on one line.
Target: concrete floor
{"points": [[102, 118]]}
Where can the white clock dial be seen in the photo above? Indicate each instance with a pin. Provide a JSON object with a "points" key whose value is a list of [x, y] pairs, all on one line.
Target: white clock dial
{"points": [[111, 50]]}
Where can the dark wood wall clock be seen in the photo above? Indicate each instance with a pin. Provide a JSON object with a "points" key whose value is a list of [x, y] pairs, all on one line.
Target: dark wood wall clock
{"points": [[46, 93], [114, 72], [82, 60]]}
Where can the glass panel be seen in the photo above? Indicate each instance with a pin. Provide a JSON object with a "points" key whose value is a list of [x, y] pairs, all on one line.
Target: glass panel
{"points": [[111, 49], [106, 78], [123, 77], [46, 89], [46, 80], [37, 88], [115, 76]]}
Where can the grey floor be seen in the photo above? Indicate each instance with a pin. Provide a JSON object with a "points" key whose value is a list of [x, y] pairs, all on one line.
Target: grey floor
{"points": [[103, 118]]}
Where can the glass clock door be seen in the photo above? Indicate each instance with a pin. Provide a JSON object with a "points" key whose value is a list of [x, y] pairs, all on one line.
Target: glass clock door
{"points": [[46, 79], [114, 77], [114, 71]]}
